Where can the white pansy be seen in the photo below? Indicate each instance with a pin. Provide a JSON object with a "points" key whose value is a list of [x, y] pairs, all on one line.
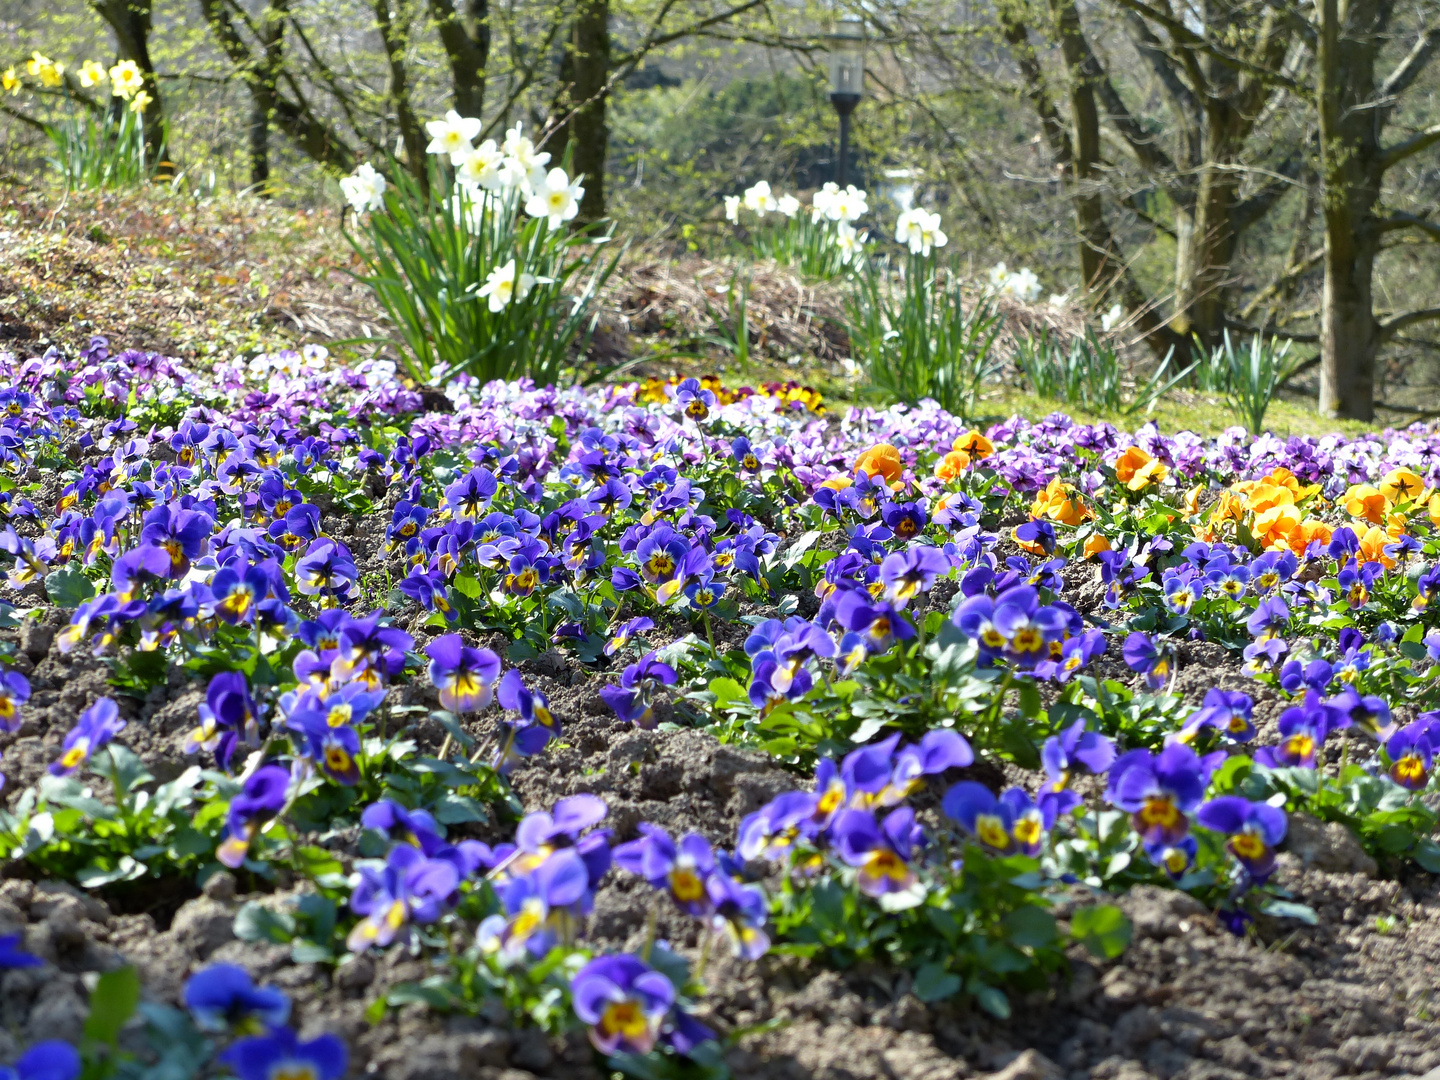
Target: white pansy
{"points": [[365, 190], [482, 166], [759, 199], [847, 205], [452, 135], [315, 356], [732, 209], [788, 205], [1112, 318], [502, 285], [556, 198]]}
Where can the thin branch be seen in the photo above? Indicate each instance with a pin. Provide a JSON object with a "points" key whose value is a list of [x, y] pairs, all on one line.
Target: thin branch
{"points": [[1410, 221], [1421, 140], [1390, 326], [1410, 68]]}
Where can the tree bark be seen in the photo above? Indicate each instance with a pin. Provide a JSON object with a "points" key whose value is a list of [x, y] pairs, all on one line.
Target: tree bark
{"points": [[465, 35], [579, 106], [1351, 171], [130, 21], [411, 135]]}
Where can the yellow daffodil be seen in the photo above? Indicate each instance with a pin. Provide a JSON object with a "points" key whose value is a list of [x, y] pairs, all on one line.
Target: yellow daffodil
{"points": [[51, 73], [10, 82], [139, 101]]}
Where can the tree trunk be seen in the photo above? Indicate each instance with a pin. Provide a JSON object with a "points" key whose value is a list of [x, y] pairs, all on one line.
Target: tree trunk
{"points": [[129, 21], [1351, 171], [465, 36], [411, 135], [591, 135], [578, 111], [262, 84]]}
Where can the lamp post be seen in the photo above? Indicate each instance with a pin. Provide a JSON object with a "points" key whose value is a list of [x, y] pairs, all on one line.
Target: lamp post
{"points": [[847, 80]]}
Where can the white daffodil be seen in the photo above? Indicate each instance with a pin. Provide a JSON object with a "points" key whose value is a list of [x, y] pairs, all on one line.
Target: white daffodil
{"points": [[452, 135], [1022, 284], [481, 167], [1112, 318], [820, 203], [999, 274], [1059, 300], [919, 230], [847, 205], [502, 285], [524, 167], [759, 199], [556, 198], [732, 209], [850, 243], [91, 74], [126, 79], [788, 205], [365, 190]]}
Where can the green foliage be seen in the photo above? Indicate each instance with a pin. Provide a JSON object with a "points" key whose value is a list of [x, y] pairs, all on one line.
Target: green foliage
{"points": [[432, 248], [916, 338], [733, 325], [101, 150], [1251, 376], [1089, 373], [973, 931], [807, 245]]}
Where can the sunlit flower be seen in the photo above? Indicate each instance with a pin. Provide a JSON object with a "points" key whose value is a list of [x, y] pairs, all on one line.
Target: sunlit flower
{"points": [[126, 79], [481, 167], [759, 200], [453, 135], [91, 74], [10, 82], [557, 198], [51, 73], [502, 285], [365, 190], [919, 230], [140, 102], [732, 209]]}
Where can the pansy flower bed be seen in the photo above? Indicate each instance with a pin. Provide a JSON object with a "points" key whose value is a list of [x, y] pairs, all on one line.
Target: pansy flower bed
{"points": [[662, 730]]}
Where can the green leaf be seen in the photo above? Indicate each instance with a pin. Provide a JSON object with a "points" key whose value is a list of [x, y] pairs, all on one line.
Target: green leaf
{"points": [[1102, 929], [994, 1002], [254, 922], [728, 692], [452, 809], [934, 983], [68, 587], [1427, 854], [1031, 927], [1285, 909], [112, 1003]]}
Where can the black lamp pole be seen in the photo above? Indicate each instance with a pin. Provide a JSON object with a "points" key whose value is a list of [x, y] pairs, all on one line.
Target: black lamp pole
{"points": [[847, 81], [844, 106]]}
